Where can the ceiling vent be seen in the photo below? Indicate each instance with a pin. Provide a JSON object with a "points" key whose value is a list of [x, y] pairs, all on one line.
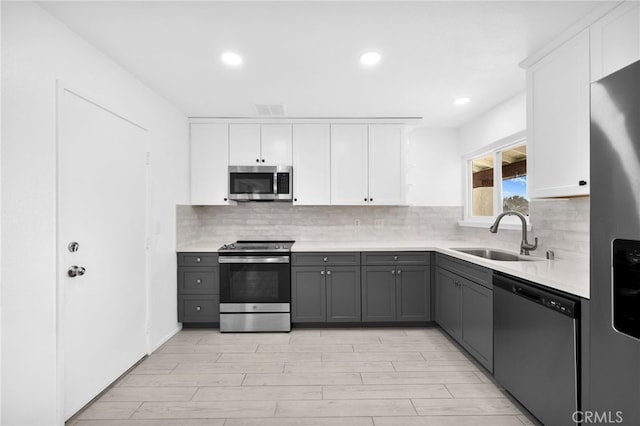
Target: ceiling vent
{"points": [[270, 110]]}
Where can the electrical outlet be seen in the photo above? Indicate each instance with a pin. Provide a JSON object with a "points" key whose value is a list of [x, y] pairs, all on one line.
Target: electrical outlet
{"points": [[378, 223], [356, 222]]}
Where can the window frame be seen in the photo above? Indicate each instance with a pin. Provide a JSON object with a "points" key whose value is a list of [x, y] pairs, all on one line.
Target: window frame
{"points": [[495, 150]]}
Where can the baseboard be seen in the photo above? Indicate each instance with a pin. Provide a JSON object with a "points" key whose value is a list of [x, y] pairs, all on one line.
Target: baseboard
{"points": [[166, 338]]}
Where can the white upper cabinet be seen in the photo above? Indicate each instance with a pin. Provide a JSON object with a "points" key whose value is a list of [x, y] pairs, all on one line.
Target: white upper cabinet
{"points": [[244, 144], [386, 165], [276, 145], [367, 165], [255, 144], [311, 164], [615, 40], [558, 121], [349, 164], [209, 162]]}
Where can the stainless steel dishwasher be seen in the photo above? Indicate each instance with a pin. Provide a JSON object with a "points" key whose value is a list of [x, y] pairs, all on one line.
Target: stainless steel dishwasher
{"points": [[536, 352]]}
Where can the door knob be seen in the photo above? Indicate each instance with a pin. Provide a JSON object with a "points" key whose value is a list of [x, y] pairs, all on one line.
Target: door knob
{"points": [[76, 271], [73, 247]]}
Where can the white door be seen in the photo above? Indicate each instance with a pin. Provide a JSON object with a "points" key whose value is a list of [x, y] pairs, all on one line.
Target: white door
{"points": [[209, 164], [102, 207], [275, 144], [349, 165], [244, 145], [311, 164], [386, 183]]}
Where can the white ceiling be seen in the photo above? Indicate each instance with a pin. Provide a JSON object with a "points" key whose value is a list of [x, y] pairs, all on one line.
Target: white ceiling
{"points": [[305, 54]]}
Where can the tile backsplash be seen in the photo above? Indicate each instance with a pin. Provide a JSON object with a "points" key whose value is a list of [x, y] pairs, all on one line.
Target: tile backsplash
{"points": [[560, 225]]}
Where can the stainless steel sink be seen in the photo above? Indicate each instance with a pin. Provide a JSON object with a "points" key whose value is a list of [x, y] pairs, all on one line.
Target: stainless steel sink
{"points": [[493, 254]]}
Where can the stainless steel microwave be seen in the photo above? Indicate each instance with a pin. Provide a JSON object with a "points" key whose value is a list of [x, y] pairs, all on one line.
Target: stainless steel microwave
{"points": [[260, 183]]}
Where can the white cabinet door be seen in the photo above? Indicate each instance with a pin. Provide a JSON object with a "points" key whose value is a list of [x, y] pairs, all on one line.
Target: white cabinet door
{"points": [[244, 145], [276, 145], [349, 164], [615, 40], [558, 121], [311, 164], [386, 171], [209, 163]]}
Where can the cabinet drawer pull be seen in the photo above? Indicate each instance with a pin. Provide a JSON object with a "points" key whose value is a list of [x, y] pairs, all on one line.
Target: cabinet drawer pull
{"points": [[198, 308], [198, 281], [198, 259], [395, 257], [582, 183], [325, 259]]}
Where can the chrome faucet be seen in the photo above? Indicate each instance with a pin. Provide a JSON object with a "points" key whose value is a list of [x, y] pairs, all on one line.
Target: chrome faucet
{"points": [[525, 247]]}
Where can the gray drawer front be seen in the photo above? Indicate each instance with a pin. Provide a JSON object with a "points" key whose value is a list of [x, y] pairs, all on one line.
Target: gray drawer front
{"points": [[196, 308], [197, 259], [329, 258], [194, 280], [396, 258], [467, 270]]}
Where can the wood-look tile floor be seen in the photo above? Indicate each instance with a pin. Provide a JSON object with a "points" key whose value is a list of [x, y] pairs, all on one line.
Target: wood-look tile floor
{"points": [[351, 377]]}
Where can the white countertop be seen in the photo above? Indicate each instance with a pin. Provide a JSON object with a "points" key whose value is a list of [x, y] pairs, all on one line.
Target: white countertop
{"points": [[568, 276]]}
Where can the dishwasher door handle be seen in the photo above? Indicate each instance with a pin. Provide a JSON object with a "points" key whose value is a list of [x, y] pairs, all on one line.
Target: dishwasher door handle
{"points": [[526, 294]]}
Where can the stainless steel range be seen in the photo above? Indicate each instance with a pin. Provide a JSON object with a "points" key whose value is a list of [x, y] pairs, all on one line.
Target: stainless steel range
{"points": [[255, 286]]}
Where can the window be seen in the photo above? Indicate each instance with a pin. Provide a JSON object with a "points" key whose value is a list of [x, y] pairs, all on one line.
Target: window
{"points": [[493, 190]]}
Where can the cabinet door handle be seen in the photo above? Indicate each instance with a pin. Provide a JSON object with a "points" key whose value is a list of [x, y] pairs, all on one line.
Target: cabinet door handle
{"points": [[257, 160], [399, 271], [365, 198], [393, 272], [263, 160], [325, 259], [395, 257], [198, 281], [198, 308], [328, 272], [321, 272], [582, 183]]}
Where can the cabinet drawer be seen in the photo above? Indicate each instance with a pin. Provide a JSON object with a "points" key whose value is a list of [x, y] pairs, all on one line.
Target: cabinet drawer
{"points": [[197, 259], [396, 258], [196, 308], [467, 270], [329, 258], [194, 280]]}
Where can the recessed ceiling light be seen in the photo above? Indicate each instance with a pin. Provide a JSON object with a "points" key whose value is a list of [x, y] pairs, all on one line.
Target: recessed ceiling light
{"points": [[232, 59], [370, 58], [462, 101]]}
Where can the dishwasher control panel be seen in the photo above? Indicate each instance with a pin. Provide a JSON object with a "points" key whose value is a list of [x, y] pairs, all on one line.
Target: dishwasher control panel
{"points": [[559, 306]]}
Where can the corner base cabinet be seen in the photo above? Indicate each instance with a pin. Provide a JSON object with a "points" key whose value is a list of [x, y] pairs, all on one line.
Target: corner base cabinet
{"points": [[464, 306], [198, 288]]}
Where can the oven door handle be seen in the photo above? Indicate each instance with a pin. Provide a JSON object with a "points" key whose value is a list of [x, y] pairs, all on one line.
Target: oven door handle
{"points": [[253, 259]]}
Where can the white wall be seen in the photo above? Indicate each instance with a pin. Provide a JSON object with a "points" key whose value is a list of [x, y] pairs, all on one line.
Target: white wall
{"points": [[504, 120], [434, 175], [37, 50]]}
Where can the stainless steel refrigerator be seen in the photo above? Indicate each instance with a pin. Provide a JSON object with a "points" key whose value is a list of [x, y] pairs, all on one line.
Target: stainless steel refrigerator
{"points": [[611, 350]]}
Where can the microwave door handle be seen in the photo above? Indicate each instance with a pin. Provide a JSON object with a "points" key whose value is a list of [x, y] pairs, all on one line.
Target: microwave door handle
{"points": [[275, 183]]}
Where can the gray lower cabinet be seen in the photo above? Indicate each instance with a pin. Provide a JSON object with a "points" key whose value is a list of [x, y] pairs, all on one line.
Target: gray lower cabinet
{"points": [[464, 306], [397, 291], [198, 288], [328, 291]]}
